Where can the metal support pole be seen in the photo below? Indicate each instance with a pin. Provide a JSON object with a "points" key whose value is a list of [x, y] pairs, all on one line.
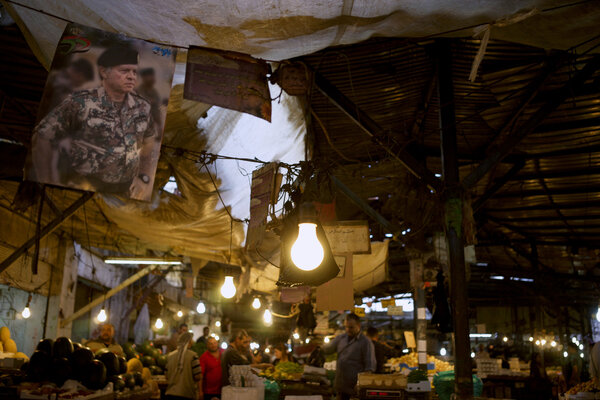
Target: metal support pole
{"points": [[416, 273], [453, 222]]}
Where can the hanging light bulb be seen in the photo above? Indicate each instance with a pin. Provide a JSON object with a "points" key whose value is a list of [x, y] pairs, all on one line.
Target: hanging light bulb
{"points": [[296, 335], [158, 324], [327, 340], [443, 352], [228, 288], [307, 252], [505, 339], [256, 303], [531, 338], [179, 314], [26, 313], [201, 308], [267, 317], [102, 315], [218, 324]]}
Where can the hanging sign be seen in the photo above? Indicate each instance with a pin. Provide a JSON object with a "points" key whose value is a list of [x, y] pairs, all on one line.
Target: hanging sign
{"points": [[228, 79], [102, 114], [359, 311], [386, 303], [349, 237], [261, 196], [409, 337], [395, 310]]}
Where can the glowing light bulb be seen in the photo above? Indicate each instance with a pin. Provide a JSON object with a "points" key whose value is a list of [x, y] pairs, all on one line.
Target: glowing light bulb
{"points": [[102, 315], [201, 308], [267, 350], [327, 340], [565, 354], [228, 288], [531, 338], [505, 339], [443, 351], [267, 317], [307, 252], [543, 341], [158, 324], [537, 342], [580, 347], [472, 355], [224, 346], [581, 355], [598, 314], [218, 324], [296, 335], [307, 341], [574, 339], [26, 313], [217, 337], [179, 313], [553, 343], [256, 303]]}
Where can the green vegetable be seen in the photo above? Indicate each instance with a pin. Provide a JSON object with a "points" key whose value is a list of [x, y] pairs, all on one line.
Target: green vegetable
{"points": [[417, 376], [289, 367]]}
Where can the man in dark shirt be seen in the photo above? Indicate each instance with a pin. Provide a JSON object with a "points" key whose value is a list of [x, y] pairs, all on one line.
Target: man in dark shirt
{"points": [[382, 351], [238, 353]]}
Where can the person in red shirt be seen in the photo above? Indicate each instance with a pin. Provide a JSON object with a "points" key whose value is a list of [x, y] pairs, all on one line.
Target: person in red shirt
{"points": [[210, 361]]}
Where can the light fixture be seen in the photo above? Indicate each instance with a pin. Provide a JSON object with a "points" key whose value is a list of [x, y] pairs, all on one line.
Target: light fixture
{"points": [[296, 335], [574, 339], [307, 252], [26, 313], [580, 347], [443, 352], [505, 339], [179, 314], [543, 341], [553, 343], [254, 346], [228, 288], [218, 323], [224, 346], [307, 341], [472, 355], [565, 354], [256, 303], [531, 338], [267, 350], [537, 342], [217, 337], [327, 340], [201, 308], [102, 315], [142, 261], [158, 324], [581, 355], [267, 317]]}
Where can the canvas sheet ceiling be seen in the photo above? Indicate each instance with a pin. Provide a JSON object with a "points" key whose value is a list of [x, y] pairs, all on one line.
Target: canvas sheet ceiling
{"points": [[281, 29]]}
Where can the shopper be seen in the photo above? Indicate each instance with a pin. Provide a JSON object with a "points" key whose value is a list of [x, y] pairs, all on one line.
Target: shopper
{"points": [[355, 353], [183, 372], [382, 351], [210, 361], [281, 354], [573, 366], [238, 353]]}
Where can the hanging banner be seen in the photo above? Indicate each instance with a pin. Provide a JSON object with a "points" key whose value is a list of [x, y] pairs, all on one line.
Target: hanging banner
{"points": [[102, 114], [261, 196], [228, 79]]}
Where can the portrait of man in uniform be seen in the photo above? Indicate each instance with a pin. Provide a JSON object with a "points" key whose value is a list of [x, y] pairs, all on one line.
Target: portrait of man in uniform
{"points": [[104, 138]]}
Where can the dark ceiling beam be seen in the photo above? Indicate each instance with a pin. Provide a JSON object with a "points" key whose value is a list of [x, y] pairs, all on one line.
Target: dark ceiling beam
{"points": [[549, 218], [581, 243], [569, 125], [560, 226], [563, 206], [562, 173], [46, 230], [564, 152], [510, 141], [372, 128], [498, 184], [418, 126], [556, 191]]}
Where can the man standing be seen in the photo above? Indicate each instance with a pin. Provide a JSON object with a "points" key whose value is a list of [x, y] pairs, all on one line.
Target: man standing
{"points": [[573, 366], [183, 372], [101, 139], [205, 335], [382, 351], [355, 353], [210, 361], [238, 353], [105, 340]]}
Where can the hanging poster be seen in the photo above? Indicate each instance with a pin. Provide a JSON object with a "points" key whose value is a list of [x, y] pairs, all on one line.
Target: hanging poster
{"points": [[102, 114], [261, 196], [228, 79]]}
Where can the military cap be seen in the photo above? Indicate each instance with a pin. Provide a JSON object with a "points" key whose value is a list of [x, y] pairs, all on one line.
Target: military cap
{"points": [[118, 55]]}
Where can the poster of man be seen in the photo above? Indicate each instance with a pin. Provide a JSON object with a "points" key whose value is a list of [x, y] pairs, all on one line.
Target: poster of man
{"points": [[102, 114]]}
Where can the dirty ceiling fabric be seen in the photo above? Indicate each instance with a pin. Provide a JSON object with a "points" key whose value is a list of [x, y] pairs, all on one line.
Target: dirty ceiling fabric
{"points": [[286, 29]]}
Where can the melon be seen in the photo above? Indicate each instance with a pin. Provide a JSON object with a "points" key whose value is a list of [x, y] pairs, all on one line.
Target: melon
{"points": [[4, 334], [134, 365], [22, 355], [146, 375], [1, 347], [10, 346]]}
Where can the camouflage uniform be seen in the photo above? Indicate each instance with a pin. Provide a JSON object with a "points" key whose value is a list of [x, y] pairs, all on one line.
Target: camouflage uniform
{"points": [[105, 142]]}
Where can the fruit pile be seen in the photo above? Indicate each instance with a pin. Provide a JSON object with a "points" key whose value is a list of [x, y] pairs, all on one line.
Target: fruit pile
{"points": [[583, 387], [412, 361], [7, 345], [151, 357], [283, 371], [60, 360]]}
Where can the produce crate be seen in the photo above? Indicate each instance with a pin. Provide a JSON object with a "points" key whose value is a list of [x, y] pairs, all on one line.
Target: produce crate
{"points": [[387, 381]]}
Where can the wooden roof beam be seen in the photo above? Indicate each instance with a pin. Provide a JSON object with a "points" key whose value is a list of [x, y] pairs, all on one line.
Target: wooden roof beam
{"points": [[372, 128], [498, 184], [510, 141]]}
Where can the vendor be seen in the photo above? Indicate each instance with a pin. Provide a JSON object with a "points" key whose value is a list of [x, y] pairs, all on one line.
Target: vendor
{"points": [[238, 353], [106, 340], [382, 351], [282, 355], [355, 353]]}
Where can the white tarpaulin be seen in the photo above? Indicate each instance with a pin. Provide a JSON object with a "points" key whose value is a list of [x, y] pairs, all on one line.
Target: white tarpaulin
{"points": [[279, 30], [371, 269]]}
